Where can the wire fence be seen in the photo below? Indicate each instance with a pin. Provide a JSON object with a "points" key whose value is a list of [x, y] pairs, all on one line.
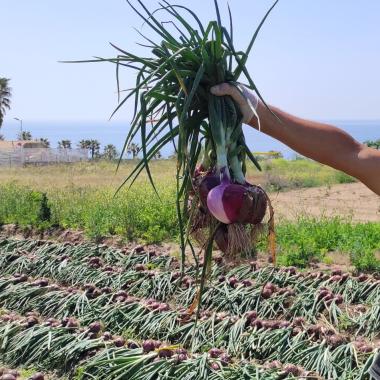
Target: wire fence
{"points": [[40, 156]]}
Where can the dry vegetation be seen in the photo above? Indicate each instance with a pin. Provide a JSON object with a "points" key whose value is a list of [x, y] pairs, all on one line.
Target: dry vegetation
{"points": [[278, 174]]}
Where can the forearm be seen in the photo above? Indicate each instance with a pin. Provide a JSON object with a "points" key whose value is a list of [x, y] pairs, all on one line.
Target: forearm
{"points": [[320, 142], [323, 143]]}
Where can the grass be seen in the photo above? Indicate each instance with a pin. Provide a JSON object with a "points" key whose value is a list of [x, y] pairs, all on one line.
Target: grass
{"points": [[289, 174], [281, 174], [134, 215], [83, 197], [310, 239]]}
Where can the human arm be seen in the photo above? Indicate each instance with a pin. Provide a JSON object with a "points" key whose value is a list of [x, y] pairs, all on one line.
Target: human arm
{"points": [[321, 142]]}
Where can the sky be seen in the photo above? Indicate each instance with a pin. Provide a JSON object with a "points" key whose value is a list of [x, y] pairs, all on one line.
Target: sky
{"points": [[317, 59]]}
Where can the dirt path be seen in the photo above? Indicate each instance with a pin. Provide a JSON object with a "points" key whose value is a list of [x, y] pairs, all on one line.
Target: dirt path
{"points": [[352, 200]]}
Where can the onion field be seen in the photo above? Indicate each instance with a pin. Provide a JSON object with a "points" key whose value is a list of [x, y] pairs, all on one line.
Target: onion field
{"points": [[96, 312]]}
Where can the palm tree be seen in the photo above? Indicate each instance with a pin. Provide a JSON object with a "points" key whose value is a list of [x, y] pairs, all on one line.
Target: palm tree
{"points": [[157, 155], [373, 144], [83, 144], [24, 136], [45, 141], [133, 149], [92, 146], [64, 144], [5, 95], [110, 152]]}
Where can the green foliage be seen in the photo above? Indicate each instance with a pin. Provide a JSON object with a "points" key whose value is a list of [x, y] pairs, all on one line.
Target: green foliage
{"points": [[365, 260], [139, 215], [93, 147], [64, 144], [110, 153], [24, 136], [27, 373], [310, 239], [44, 213], [5, 98], [45, 141], [284, 174], [133, 149], [23, 206], [373, 144]]}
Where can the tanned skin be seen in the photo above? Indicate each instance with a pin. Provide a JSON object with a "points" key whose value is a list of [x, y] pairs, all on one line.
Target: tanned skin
{"points": [[323, 143]]}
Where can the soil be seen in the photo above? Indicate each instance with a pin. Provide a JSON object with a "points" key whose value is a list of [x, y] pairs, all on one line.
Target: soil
{"points": [[354, 201]]}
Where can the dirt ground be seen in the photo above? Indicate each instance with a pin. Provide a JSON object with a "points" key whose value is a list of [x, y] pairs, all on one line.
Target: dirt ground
{"points": [[352, 200]]}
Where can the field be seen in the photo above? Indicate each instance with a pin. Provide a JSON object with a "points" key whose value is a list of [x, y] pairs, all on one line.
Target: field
{"points": [[95, 291], [93, 312], [82, 197]]}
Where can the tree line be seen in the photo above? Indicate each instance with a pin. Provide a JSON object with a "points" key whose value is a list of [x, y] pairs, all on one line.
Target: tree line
{"points": [[91, 145], [5, 99], [373, 143]]}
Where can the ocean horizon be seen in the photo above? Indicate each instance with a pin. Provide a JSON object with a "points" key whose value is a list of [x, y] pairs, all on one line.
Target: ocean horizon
{"points": [[114, 132]]}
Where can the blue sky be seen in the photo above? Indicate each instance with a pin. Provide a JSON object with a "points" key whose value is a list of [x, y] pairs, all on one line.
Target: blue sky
{"points": [[318, 59]]}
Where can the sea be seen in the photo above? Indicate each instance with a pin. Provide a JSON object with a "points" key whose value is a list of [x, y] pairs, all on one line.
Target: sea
{"points": [[114, 132]]}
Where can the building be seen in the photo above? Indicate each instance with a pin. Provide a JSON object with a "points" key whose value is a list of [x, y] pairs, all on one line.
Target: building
{"points": [[20, 153]]}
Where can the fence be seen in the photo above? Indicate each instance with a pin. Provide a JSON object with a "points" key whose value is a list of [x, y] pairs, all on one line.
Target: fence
{"points": [[40, 156]]}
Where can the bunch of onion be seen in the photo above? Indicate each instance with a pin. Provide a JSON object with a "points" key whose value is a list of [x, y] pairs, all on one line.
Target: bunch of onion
{"points": [[173, 105]]}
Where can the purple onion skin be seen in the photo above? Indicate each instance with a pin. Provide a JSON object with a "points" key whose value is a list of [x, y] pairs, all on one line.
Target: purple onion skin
{"points": [[254, 205], [132, 345], [119, 341], [215, 353], [107, 336], [225, 201], [215, 366], [181, 358], [148, 346], [95, 327], [225, 359], [232, 203], [8, 376], [207, 183], [199, 170], [251, 316], [165, 353], [247, 283]]}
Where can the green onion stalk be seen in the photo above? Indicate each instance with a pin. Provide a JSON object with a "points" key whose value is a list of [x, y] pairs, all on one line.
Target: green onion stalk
{"points": [[173, 82]]}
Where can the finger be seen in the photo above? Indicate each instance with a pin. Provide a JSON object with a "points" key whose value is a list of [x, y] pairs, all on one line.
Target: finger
{"points": [[228, 89], [222, 89]]}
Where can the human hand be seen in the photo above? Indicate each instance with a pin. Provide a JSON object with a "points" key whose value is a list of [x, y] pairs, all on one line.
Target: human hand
{"points": [[243, 96]]}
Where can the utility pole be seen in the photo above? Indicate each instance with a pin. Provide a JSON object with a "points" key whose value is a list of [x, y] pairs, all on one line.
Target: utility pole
{"points": [[20, 120]]}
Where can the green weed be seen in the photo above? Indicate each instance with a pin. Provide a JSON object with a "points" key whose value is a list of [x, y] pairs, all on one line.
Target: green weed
{"points": [[139, 215]]}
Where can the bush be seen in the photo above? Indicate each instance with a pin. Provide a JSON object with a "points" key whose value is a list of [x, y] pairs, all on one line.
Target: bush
{"points": [[281, 174], [309, 239], [365, 260], [138, 214]]}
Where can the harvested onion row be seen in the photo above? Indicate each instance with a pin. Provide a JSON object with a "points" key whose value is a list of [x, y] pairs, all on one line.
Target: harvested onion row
{"points": [[264, 333], [96, 357], [241, 299]]}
